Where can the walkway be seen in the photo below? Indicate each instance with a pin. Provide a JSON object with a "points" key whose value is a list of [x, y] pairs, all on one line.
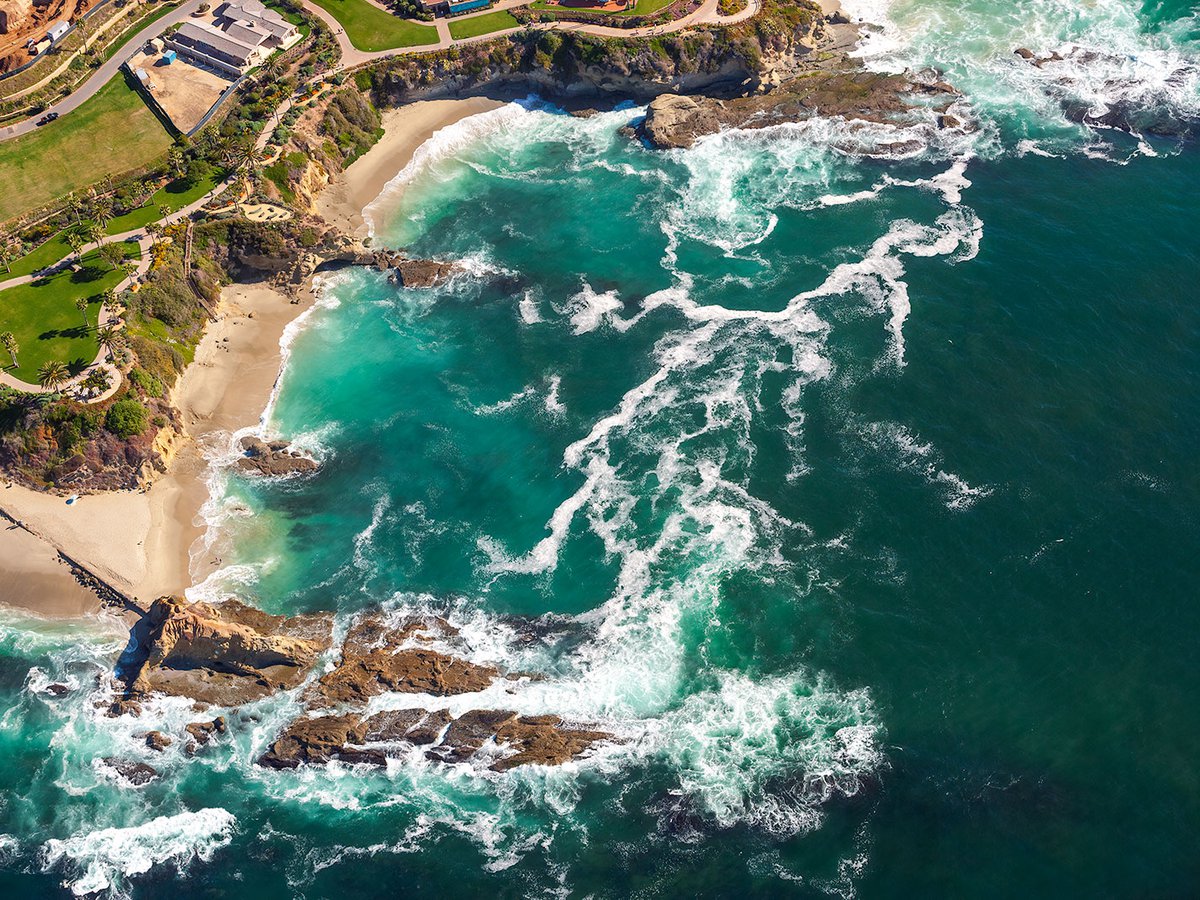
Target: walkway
{"points": [[106, 71], [107, 316]]}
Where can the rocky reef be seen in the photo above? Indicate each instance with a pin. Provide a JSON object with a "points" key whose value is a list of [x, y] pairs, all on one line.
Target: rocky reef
{"points": [[675, 120], [275, 458], [224, 654], [228, 654]]}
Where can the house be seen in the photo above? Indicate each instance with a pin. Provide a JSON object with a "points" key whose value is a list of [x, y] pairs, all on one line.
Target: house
{"points": [[240, 36]]}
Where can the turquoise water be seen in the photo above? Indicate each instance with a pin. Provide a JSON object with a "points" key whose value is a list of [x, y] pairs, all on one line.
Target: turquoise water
{"points": [[857, 494]]}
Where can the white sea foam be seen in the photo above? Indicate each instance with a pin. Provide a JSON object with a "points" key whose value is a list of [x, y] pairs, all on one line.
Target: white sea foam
{"points": [[446, 143], [104, 859], [1099, 64]]}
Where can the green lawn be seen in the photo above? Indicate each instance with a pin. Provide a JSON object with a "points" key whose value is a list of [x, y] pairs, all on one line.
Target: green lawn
{"points": [[56, 248], [371, 28], [474, 26], [111, 134], [174, 196], [43, 318], [47, 254]]}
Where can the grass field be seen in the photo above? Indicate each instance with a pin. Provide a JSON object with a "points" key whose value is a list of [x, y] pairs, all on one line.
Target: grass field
{"points": [[371, 28], [57, 248], [43, 318], [171, 196], [110, 134], [485, 24]]}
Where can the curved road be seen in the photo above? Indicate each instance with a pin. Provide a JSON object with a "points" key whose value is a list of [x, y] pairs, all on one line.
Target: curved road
{"points": [[101, 76]]}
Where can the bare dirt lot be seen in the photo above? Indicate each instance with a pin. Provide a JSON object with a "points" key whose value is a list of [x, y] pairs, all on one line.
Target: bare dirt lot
{"points": [[185, 91]]}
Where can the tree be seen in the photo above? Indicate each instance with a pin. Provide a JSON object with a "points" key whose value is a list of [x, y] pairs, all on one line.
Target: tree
{"points": [[107, 337], [103, 215], [113, 255], [130, 269], [6, 252], [75, 241], [175, 161], [53, 375], [75, 207], [9, 341], [82, 305], [94, 232]]}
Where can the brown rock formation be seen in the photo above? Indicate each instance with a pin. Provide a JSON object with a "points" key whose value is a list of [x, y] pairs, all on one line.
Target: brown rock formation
{"points": [[225, 654], [274, 458], [377, 659], [541, 740], [675, 121], [157, 741]]}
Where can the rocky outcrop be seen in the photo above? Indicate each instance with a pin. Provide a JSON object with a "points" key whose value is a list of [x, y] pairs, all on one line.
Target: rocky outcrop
{"points": [[674, 121], [273, 458], [421, 272], [134, 773], [517, 740], [157, 741], [377, 658], [225, 654]]}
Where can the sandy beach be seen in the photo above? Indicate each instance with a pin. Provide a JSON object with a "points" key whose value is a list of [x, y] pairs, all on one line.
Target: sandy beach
{"points": [[148, 543], [405, 129], [141, 541]]}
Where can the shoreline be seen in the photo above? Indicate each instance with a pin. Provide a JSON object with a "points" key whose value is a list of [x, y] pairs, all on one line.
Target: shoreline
{"points": [[148, 543], [405, 128]]}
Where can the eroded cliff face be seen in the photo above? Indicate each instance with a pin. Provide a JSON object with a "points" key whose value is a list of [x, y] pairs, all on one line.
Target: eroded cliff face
{"points": [[788, 34]]}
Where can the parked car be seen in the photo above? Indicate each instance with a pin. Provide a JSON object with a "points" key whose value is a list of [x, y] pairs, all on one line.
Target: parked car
{"points": [[47, 119]]}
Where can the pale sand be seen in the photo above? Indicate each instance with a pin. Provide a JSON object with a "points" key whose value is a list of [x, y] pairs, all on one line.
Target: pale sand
{"points": [[405, 129], [141, 542], [149, 543]]}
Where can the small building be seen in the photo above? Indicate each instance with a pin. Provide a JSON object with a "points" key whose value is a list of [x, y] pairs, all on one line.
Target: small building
{"points": [[144, 77], [57, 30], [465, 6], [169, 57]]}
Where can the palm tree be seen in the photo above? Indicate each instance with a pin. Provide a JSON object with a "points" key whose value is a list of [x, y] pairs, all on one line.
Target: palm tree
{"points": [[108, 338], [75, 241], [94, 231], [82, 305], [9, 341], [103, 215], [53, 375], [130, 268], [75, 207], [175, 162]]}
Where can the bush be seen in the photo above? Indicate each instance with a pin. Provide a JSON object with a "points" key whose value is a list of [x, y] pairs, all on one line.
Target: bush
{"points": [[126, 418], [147, 382]]}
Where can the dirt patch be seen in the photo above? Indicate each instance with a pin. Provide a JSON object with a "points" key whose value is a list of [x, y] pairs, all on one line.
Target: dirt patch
{"points": [[184, 91]]}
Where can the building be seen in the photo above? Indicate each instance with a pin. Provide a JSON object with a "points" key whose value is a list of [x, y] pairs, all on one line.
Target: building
{"points": [[241, 35]]}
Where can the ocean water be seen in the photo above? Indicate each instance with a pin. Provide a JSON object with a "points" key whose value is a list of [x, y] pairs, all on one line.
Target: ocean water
{"points": [[847, 472]]}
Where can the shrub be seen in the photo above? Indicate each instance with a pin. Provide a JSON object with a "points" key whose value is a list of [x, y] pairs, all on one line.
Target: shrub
{"points": [[126, 418], [147, 382]]}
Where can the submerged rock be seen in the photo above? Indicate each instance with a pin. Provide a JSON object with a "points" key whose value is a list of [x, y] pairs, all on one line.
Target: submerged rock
{"points": [[135, 773], [157, 741], [225, 654], [275, 458]]}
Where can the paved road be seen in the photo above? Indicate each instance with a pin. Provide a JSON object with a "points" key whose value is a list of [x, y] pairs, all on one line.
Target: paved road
{"points": [[102, 75]]}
